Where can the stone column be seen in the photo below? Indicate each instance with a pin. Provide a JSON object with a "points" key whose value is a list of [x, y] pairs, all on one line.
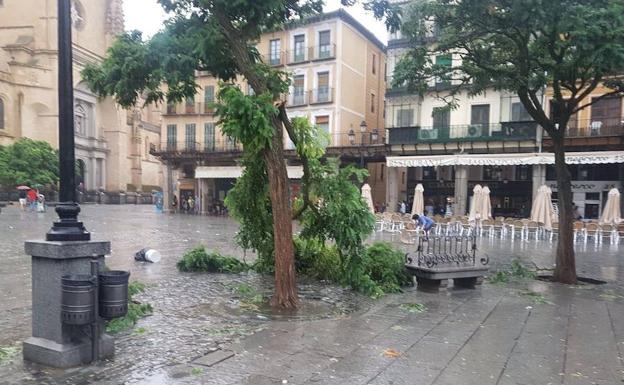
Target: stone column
{"points": [[204, 196], [392, 188], [54, 343], [167, 188], [539, 178], [461, 190]]}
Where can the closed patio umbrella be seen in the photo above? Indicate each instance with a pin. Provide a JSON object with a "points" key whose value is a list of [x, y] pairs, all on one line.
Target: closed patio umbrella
{"points": [[611, 213], [475, 204], [368, 197], [418, 206], [542, 209], [486, 204]]}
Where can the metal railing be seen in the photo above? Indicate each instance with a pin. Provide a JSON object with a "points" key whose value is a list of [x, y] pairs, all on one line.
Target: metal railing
{"points": [[195, 109], [322, 95], [354, 140], [298, 98], [598, 127], [323, 52], [464, 133], [218, 145]]}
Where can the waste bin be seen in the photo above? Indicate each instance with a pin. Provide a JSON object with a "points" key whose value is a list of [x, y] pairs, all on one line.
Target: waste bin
{"points": [[113, 298], [77, 299]]}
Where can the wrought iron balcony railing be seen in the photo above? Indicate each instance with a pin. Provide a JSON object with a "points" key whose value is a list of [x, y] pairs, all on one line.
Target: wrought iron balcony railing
{"points": [[187, 109], [464, 133], [597, 127]]}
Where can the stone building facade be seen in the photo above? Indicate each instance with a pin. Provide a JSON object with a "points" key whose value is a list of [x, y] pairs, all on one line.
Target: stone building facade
{"points": [[112, 143], [338, 83]]}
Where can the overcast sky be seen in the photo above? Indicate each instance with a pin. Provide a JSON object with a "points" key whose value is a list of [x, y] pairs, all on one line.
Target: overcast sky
{"points": [[147, 16]]}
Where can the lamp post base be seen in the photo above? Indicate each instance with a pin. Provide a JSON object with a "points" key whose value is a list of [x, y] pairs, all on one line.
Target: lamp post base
{"points": [[68, 228]]}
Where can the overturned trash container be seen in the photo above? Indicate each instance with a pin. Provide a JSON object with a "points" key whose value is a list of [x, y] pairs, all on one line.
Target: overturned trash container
{"points": [[113, 298], [77, 298], [147, 255]]}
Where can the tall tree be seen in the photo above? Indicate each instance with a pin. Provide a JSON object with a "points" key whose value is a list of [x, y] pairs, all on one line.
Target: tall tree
{"points": [[28, 162], [218, 37], [523, 46]]}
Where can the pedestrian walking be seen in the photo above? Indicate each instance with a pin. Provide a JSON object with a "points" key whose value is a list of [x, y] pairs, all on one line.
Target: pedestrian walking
{"points": [[403, 207], [22, 199], [174, 203], [32, 199]]}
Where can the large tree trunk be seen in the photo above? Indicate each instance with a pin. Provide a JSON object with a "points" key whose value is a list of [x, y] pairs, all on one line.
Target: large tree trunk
{"points": [[285, 283], [565, 269]]}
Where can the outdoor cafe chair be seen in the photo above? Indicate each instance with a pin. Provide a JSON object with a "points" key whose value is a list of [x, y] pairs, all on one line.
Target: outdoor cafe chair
{"points": [[554, 230], [579, 229], [608, 231], [592, 230], [466, 227], [517, 226], [409, 234], [532, 227]]}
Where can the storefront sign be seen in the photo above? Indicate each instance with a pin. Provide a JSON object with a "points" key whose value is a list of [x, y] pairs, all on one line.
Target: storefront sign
{"points": [[587, 186]]}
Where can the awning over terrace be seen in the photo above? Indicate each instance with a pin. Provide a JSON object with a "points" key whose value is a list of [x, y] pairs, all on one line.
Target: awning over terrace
{"points": [[226, 172], [598, 157]]}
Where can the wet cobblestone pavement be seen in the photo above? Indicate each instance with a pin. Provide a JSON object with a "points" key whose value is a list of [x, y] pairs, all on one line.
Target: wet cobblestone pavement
{"points": [[497, 334]]}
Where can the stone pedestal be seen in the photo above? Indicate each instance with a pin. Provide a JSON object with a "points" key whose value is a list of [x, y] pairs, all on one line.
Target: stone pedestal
{"points": [[54, 343]]}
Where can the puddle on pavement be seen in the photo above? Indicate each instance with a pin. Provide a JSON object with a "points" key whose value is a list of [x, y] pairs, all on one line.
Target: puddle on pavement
{"points": [[310, 308]]}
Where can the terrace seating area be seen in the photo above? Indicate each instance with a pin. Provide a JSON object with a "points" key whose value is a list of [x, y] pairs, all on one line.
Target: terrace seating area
{"points": [[499, 227]]}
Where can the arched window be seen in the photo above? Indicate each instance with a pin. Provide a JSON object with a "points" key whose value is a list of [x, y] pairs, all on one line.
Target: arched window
{"points": [[1, 114]]}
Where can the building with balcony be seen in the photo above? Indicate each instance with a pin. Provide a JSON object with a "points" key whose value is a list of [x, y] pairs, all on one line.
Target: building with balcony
{"points": [[338, 83], [490, 139], [425, 138], [596, 133], [112, 144]]}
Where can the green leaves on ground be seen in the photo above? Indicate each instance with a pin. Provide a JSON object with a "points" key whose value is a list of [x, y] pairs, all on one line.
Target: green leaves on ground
{"points": [[8, 353], [535, 297], [199, 260], [136, 310], [517, 271], [28, 162]]}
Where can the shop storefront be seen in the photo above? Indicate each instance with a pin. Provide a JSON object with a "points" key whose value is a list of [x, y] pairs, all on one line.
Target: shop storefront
{"points": [[511, 178]]}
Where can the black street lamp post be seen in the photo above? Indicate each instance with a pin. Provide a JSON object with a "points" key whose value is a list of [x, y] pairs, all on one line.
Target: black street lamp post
{"points": [[373, 136], [67, 228]]}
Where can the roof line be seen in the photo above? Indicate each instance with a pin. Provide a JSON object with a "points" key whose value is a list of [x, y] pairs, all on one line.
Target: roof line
{"points": [[343, 15]]}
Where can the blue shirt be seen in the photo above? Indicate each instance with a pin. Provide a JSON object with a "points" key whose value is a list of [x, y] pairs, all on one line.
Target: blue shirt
{"points": [[425, 221]]}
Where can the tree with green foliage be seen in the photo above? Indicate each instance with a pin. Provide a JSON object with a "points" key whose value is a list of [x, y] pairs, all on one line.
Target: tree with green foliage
{"points": [[28, 162], [522, 46], [218, 37]]}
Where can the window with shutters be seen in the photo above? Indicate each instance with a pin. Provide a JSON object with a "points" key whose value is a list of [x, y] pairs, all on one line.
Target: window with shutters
{"points": [[323, 87], [190, 136], [519, 113], [209, 136], [299, 53], [275, 52], [444, 61], [172, 135], [298, 90], [405, 117], [190, 105], [606, 112], [324, 48], [441, 117]]}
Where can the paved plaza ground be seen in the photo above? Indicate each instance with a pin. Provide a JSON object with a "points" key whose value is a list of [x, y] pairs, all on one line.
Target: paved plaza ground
{"points": [[526, 333]]}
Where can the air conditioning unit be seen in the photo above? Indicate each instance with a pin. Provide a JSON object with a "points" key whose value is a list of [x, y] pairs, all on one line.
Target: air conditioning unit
{"points": [[428, 134], [474, 131]]}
